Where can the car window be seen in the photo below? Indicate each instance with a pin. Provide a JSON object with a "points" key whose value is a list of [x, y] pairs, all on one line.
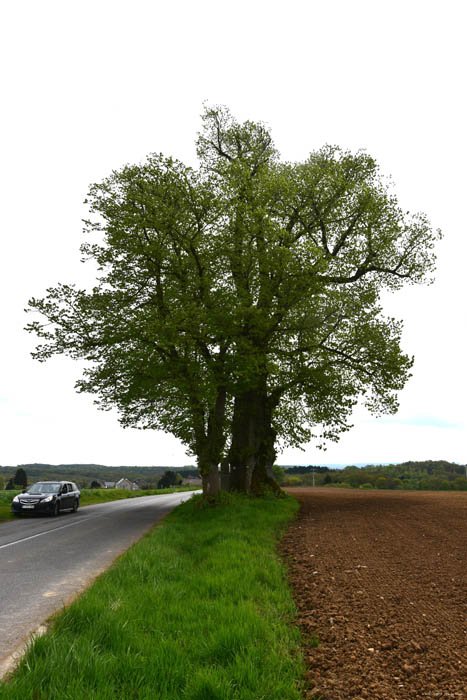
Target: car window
{"points": [[43, 488], [64, 488]]}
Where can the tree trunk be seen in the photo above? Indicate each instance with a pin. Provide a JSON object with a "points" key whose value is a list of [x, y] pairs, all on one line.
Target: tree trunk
{"points": [[210, 447], [242, 448], [262, 478], [225, 475], [252, 452], [211, 481]]}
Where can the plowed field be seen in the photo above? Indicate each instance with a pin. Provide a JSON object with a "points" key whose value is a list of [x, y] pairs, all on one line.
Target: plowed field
{"points": [[380, 580]]}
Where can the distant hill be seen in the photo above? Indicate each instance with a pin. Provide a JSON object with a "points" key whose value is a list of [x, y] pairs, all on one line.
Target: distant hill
{"points": [[81, 467], [84, 472], [367, 465], [428, 475]]}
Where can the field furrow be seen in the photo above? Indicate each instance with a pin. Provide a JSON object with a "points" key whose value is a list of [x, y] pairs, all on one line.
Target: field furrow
{"points": [[380, 579]]}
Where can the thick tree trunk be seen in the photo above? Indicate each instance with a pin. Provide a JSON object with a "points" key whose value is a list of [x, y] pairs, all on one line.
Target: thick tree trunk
{"points": [[266, 454], [242, 448], [252, 452], [210, 445], [211, 481], [263, 479], [225, 475]]}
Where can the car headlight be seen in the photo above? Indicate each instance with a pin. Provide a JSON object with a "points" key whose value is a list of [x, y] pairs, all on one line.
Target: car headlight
{"points": [[16, 499], [48, 499]]}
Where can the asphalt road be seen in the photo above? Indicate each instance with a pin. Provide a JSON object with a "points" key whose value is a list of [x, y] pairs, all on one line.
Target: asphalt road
{"points": [[46, 561]]}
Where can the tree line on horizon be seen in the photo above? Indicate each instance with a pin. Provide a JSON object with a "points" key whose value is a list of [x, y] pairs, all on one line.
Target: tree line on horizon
{"points": [[432, 475], [160, 477], [37, 468], [426, 474], [237, 305]]}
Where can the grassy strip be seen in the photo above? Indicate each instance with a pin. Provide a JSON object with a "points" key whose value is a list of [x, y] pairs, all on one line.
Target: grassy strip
{"points": [[199, 609], [90, 497], [6, 498]]}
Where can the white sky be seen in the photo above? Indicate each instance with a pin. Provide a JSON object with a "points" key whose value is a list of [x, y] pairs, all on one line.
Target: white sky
{"points": [[89, 86]]}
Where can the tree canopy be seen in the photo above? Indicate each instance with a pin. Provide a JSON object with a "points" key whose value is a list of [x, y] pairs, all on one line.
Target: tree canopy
{"points": [[20, 478], [237, 304]]}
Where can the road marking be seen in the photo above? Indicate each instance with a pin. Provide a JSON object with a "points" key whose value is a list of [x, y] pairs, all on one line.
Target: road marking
{"points": [[47, 532], [78, 522]]}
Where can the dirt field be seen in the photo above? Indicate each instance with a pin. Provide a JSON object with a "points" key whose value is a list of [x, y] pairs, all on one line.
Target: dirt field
{"points": [[380, 578]]}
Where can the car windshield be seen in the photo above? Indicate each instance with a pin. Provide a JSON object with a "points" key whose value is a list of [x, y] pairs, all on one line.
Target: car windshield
{"points": [[43, 488]]}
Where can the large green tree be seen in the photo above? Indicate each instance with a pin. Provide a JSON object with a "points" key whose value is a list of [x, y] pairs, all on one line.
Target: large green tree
{"points": [[238, 304], [152, 329], [309, 247]]}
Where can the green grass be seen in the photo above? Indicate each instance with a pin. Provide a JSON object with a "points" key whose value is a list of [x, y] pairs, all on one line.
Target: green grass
{"points": [[89, 497], [6, 498], [199, 609]]}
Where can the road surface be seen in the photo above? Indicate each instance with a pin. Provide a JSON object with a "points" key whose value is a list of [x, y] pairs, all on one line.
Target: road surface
{"points": [[45, 561]]}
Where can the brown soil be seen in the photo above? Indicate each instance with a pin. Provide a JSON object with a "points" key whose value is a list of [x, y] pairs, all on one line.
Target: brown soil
{"points": [[380, 579]]}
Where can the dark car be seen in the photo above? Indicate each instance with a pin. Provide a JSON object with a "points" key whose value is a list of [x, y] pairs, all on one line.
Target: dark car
{"points": [[48, 497]]}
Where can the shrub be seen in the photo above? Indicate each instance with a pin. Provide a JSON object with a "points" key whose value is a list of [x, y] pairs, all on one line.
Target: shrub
{"points": [[278, 473], [381, 482], [292, 480]]}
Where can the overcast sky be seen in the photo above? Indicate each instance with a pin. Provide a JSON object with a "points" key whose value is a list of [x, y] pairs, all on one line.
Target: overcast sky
{"points": [[90, 86]]}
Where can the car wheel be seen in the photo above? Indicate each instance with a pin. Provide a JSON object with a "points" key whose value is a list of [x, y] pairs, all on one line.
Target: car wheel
{"points": [[56, 509], [75, 505]]}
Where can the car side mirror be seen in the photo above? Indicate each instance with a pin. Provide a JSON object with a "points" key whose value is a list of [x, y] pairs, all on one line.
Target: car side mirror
{"points": [[23, 490]]}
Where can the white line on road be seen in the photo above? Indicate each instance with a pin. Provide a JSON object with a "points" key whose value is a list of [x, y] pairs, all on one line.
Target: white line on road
{"points": [[47, 532], [77, 522]]}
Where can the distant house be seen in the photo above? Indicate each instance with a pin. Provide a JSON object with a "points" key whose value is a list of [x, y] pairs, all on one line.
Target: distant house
{"points": [[126, 484], [109, 484], [143, 484]]}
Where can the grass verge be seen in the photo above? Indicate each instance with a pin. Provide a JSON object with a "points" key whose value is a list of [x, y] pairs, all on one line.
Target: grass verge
{"points": [[6, 498], [199, 609], [89, 497]]}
